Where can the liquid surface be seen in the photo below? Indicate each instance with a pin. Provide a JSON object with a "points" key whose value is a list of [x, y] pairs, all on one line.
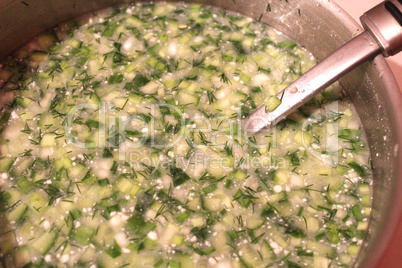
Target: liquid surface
{"points": [[123, 149]]}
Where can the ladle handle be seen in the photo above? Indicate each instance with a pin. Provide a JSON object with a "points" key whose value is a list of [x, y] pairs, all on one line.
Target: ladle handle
{"points": [[384, 23], [383, 34]]}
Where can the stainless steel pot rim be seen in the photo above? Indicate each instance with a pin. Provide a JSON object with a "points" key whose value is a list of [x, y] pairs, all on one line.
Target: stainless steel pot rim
{"points": [[393, 94]]}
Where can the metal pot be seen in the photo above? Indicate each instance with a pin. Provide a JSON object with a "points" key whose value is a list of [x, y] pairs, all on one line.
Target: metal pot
{"points": [[319, 25]]}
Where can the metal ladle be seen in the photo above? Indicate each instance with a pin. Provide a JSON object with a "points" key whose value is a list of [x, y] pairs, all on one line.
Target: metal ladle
{"points": [[383, 34]]}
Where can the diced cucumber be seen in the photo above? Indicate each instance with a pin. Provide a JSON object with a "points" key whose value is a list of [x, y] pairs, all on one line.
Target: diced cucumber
{"points": [[64, 162], [366, 200], [76, 172], [313, 224], [353, 250], [64, 223], [48, 140], [186, 98], [255, 223], [37, 203], [240, 175], [83, 234], [22, 256], [17, 213], [88, 255], [173, 264], [183, 260], [364, 188], [38, 56], [303, 138], [266, 251], [278, 238], [249, 256], [151, 243], [245, 78], [321, 262], [170, 83], [213, 203], [44, 243], [281, 177], [183, 217], [6, 163], [23, 101], [152, 62], [319, 248], [272, 103], [177, 240], [134, 21], [362, 226], [150, 88], [105, 261], [24, 184], [276, 197], [248, 42], [130, 68], [93, 98], [103, 235], [126, 186], [135, 99]]}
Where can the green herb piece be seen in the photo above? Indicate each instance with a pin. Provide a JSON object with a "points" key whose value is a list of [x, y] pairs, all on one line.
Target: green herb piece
{"points": [[139, 81], [115, 79], [356, 211], [289, 45], [135, 222], [227, 58], [268, 212], [319, 236], [118, 57], [173, 264], [244, 199], [202, 233], [204, 251], [109, 29], [266, 71], [295, 231], [301, 252], [158, 263], [103, 182], [137, 225], [333, 236], [209, 189], [146, 228], [91, 123], [291, 264], [107, 153], [238, 47], [179, 176], [183, 217], [224, 78], [114, 251], [345, 134], [360, 170], [144, 202]]}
